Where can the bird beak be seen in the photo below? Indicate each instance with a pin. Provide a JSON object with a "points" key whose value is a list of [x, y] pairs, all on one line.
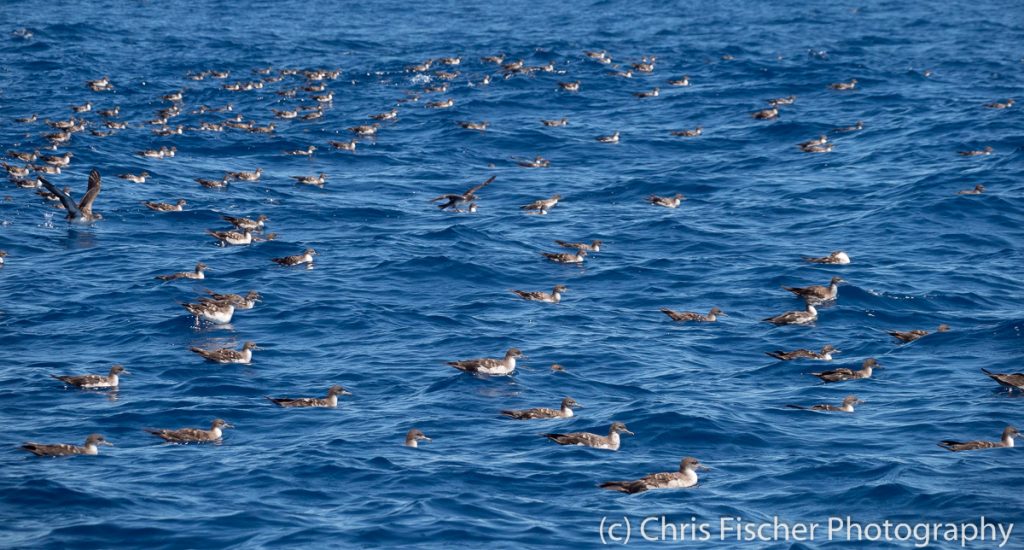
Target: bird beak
{"points": [[229, 425], [107, 443], [578, 405], [705, 468], [125, 372], [345, 392], [425, 438], [628, 432]]}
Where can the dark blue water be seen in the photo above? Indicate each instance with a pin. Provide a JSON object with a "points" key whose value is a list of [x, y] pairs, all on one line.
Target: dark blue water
{"points": [[399, 287]]}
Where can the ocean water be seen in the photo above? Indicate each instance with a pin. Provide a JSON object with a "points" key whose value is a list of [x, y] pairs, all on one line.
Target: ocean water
{"points": [[400, 287]]}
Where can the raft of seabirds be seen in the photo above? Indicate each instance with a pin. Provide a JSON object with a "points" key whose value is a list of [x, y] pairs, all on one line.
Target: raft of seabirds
{"points": [[311, 86]]}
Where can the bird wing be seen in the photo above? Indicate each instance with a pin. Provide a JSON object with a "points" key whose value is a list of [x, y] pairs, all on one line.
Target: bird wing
{"points": [[91, 193], [58, 449], [579, 438], [473, 365], [481, 186], [65, 199], [184, 435], [81, 380]]}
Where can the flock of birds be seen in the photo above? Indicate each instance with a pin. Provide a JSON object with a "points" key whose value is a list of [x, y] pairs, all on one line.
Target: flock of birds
{"points": [[309, 90]]}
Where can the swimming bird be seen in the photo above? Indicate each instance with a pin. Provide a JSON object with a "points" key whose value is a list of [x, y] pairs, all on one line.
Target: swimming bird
{"points": [[215, 312], [135, 178], [570, 86], [556, 122], [542, 206], [586, 439], [91, 381], [537, 162], [245, 223], [3, 254], [809, 315], [388, 115], [565, 411], [848, 402], [646, 65], [978, 189], [1014, 381], [685, 478], [197, 274], [27, 120], [231, 237], [81, 212], [213, 184], [498, 367], [241, 302], [193, 435], [818, 293], [976, 153], [788, 100], [844, 374], [227, 355], [820, 140], [306, 257], [1007, 441], [689, 133], [413, 437], [331, 401], [594, 246], [111, 112], [307, 152], [611, 138], [344, 145], [91, 447], [766, 114], [819, 148], [655, 92], [17, 171], [318, 180], [365, 129], [1000, 105], [668, 202], [455, 200], [824, 355], [565, 257], [858, 126], [911, 335], [684, 81], [24, 157], [440, 104], [553, 297], [479, 126], [253, 175], [844, 85], [686, 316], [836, 257]]}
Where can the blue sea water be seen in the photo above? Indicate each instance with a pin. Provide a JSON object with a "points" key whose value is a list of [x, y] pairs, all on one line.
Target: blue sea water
{"points": [[400, 287]]}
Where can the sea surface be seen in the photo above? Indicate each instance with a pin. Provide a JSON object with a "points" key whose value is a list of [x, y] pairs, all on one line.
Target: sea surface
{"points": [[400, 287]]}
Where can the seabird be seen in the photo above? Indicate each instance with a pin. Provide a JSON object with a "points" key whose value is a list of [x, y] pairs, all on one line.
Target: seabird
{"points": [[568, 404], [824, 355], [389, 115], [565, 257], [245, 176], [215, 312], [978, 189], [24, 157], [612, 138], [809, 315], [365, 129], [844, 85], [553, 297], [820, 140], [27, 120], [594, 246], [17, 171], [687, 316], [413, 438], [651, 93], [999, 105], [496, 59], [570, 86], [685, 478], [542, 206], [766, 114], [112, 112], [684, 81], [558, 122], [976, 153], [480, 126], [844, 374], [836, 257], [227, 355], [668, 202], [858, 126], [818, 293], [622, 74], [3, 254], [586, 439], [166, 207], [498, 367], [306, 257], [231, 237], [91, 447], [318, 180], [819, 148], [537, 162], [848, 402], [139, 178], [788, 100], [307, 152], [344, 145], [456, 200], [440, 104], [331, 401], [911, 335], [1010, 380], [240, 302], [646, 65], [1007, 441], [595, 54], [81, 212], [555, 367], [193, 435], [689, 133], [245, 223], [90, 381], [197, 274], [213, 184]]}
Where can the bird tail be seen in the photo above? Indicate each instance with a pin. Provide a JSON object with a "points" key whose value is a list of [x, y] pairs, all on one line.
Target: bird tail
{"points": [[775, 354], [948, 444], [629, 487], [801, 407]]}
